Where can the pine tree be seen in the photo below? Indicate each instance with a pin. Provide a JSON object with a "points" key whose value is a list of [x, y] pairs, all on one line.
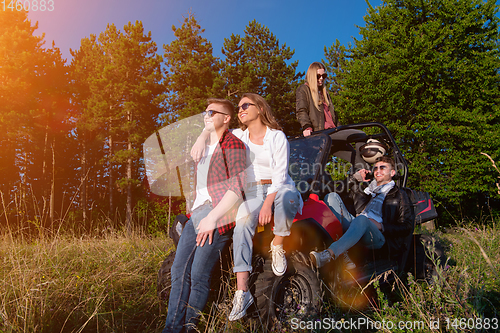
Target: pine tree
{"points": [[34, 115], [119, 87], [191, 70], [19, 49], [257, 63]]}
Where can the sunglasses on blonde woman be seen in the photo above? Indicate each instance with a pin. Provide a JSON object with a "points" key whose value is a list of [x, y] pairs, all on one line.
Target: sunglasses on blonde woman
{"points": [[321, 75]]}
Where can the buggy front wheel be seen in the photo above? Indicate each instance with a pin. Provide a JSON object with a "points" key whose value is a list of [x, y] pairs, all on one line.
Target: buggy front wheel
{"points": [[296, 294]]}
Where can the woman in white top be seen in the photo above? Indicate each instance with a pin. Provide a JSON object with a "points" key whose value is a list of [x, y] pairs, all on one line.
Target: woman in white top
{"points": [[268, 186], [269, 189]]}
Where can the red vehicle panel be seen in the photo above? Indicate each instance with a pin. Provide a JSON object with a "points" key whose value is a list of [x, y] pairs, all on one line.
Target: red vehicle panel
{"points": [[319, 211]]}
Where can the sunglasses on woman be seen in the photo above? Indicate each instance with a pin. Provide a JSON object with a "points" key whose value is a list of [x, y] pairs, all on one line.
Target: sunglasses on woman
{"points": [[211, 113], [322, 75], [244, 106]]}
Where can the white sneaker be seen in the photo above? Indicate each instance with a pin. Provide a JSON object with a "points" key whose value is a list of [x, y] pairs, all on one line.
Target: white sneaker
{"points": [[348, 262], [319, 259], [241, 302], [278, 259]]}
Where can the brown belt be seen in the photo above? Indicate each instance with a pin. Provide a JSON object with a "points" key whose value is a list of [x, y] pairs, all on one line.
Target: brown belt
{"points": [[260, 182]]}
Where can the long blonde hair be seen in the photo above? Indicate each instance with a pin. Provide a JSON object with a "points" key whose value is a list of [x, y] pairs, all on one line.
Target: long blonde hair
{"points": [[266, 115], [312, 82]]}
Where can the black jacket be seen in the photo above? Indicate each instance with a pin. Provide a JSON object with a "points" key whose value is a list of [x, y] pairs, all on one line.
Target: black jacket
{"points": [[397, 214], [308, 113]]}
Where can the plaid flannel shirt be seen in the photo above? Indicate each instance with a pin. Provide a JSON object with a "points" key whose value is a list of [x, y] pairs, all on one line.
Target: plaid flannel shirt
{"points": [[227, 172]]}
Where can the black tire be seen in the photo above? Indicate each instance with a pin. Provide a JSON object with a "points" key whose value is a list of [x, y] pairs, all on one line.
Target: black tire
{"points": [[296, 294], [425, 254], [344, 289], [163, 282]]}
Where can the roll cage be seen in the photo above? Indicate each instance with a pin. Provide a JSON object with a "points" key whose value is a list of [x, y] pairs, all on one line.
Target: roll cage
{"points": [[313, 158]]}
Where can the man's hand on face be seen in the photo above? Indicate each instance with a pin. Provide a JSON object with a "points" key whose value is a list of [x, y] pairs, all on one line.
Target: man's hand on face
{"points": [[361, 175], [205, 231]]}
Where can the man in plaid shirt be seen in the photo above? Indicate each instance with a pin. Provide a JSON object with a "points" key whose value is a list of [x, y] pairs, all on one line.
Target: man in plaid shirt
{"points": [[220, 176]]}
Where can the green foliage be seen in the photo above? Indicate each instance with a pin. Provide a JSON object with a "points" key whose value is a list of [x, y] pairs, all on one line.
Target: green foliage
{"points": [[338, 168], [429, 70], [257, 63], [336, 58], [156, 214]]}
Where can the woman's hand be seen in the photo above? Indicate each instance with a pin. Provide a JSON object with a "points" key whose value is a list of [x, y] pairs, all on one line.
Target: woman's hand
{"points": [[307, 132], [198, 149], [206, 230], [265, 214]]}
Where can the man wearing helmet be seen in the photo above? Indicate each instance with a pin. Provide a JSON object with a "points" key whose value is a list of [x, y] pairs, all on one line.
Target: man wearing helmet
{"points": [[383, 214]]}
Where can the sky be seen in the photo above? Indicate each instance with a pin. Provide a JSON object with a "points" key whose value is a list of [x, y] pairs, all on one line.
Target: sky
{"points": [[306, 27]]}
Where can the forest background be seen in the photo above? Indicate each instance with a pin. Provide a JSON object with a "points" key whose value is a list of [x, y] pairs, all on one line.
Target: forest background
{"points": [[71, 134]]}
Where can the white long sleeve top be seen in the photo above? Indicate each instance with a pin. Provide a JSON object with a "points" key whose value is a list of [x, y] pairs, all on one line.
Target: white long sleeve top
{"points": [[276, 142]]}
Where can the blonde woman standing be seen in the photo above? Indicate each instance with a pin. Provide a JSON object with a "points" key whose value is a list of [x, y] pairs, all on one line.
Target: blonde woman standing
{"points": [[314, 107]]}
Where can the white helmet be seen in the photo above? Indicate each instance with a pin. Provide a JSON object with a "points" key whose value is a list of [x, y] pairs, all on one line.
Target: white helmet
{"points": [[372, 150]]}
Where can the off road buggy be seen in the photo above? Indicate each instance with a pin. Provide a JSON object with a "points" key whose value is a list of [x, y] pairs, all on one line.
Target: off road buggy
{"points": [[317, 164]]}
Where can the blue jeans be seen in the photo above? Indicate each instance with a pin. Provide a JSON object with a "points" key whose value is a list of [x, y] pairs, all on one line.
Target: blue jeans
{"points": [[286, 205], [355, 228], [191, 273]]}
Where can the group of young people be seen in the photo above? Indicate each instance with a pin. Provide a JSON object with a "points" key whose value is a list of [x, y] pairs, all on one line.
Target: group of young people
{"points": [[242, 181]]}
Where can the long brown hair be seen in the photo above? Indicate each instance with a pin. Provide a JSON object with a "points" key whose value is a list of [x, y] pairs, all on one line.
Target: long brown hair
{"points": [[312, 82], [266, 115]]}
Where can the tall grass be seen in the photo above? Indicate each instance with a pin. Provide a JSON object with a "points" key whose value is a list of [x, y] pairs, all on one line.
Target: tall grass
{"points": [[464, 292], [71, 284], [108, 284]]}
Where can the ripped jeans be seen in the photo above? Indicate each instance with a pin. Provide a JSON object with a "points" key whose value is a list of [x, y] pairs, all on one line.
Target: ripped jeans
{"points": [[285, 207]]}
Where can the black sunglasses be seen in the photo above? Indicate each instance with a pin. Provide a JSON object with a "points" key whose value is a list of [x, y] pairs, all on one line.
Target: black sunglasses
{"points": [[381, 167], [321, 75], [244, 106], [211, 113]]}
